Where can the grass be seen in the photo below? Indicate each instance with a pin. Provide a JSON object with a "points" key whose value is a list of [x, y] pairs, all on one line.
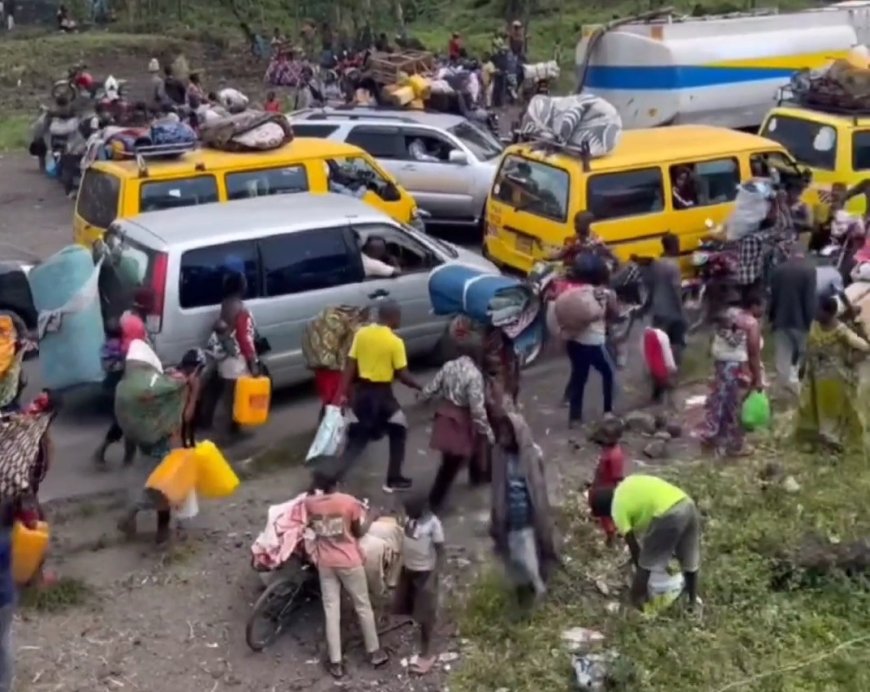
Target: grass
{"points": [[15, 132], [754, 635], [68, 592]]}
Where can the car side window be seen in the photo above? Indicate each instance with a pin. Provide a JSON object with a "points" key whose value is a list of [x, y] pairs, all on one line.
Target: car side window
{"points": [[204, 270], [402, 250], [267, 181], [628, 193], [380, 143], [98, 198], [309, 130], [704, 183], [427, 147], [308, 261], [183, 192], [354, 176]]}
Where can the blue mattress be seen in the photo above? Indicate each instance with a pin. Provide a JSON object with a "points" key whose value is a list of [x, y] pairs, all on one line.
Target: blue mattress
{"points": [[71, 355]]}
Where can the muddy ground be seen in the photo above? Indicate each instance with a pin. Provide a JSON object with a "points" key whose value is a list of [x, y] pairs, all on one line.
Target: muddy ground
{"points": [[174, 620]]}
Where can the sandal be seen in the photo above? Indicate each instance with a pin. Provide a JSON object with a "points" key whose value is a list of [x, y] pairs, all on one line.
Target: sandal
{"points": [[422, 665], [378, 658], [336, 670]]}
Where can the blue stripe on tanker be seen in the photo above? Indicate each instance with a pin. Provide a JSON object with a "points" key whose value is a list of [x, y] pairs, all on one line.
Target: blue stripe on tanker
{"points": [[663, 77]]}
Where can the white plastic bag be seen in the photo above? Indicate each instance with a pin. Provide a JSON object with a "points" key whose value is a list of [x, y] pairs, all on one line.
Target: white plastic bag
{"points": [[189, 509], [330, 435]]}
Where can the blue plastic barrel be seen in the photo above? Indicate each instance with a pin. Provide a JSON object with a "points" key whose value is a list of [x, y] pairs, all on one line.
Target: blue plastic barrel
{"points": [[71, 355]]}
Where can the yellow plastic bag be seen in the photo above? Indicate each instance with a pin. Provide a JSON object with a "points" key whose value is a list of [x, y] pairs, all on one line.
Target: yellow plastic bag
{"points": [[215, 477], [251, 400], [28, 550], [175, 476]]}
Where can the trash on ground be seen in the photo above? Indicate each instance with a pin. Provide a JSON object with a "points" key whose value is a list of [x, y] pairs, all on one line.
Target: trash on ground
{"points": [[577, 638], [591, 670]]}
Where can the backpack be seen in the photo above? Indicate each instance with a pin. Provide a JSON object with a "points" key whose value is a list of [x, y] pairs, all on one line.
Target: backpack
{"points": [[576, 309]]}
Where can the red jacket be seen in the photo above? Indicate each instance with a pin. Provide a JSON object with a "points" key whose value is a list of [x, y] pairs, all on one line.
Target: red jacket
{"points": [[608, 474]]}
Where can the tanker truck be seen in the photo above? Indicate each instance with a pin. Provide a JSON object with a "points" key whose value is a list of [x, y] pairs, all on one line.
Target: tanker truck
{"points": [[664, 69]]}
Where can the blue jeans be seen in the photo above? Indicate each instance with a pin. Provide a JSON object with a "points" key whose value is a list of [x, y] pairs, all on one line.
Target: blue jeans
{"points": [[7, 656], [583, 357]]}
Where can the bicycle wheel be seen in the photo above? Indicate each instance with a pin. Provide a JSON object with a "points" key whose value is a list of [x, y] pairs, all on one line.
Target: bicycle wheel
{"points": [[272, 612]]}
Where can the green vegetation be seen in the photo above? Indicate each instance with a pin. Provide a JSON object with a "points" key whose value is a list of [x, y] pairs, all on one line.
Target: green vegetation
{"points": [[14, 132], [67, 593], [774, 620]]}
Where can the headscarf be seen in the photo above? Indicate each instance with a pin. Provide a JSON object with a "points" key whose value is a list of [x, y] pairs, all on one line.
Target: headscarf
{"points": [[141, 352]]}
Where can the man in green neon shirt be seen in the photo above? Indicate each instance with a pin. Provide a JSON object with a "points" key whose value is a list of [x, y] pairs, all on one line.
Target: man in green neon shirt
{"points": [[659, 521]]}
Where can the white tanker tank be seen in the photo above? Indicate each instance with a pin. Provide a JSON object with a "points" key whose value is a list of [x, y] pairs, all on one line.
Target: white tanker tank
{"points": [[723, 71]]}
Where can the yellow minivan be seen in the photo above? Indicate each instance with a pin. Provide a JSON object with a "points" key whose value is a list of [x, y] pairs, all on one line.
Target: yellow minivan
{"points": [[835, 147], [632, 193], [121, 189]]}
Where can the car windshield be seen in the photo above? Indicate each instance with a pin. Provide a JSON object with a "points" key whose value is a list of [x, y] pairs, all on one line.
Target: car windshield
{"points": [[481, 143]]}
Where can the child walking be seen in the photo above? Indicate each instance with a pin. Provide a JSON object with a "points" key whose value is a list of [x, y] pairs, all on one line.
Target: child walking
{"points": [[422, 562], [611, 465]]}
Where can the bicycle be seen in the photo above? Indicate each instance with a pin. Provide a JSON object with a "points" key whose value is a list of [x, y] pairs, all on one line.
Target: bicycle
{"points": [[295, 586]]}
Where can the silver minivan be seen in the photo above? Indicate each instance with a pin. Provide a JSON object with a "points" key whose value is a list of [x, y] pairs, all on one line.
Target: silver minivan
{"points": [[300, 253]]}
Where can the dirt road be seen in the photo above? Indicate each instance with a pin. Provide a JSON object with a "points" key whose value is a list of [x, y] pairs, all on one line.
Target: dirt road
{"points": [[174, 621]]}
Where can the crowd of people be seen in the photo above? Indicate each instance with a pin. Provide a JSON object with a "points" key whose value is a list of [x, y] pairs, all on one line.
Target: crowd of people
{"points": [[358, 357]]}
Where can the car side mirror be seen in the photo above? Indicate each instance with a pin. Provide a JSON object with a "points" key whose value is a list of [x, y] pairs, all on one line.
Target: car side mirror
{"points": [[458, 157], [390, 193]]}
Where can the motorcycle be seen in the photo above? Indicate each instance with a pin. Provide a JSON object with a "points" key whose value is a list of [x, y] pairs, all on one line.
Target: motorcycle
{"points": [[78, 81], [715, 269]]}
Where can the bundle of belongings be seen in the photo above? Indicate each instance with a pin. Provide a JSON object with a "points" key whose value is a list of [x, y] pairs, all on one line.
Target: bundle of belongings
{"points": [[751, 207], [327, 338], [247, 131], [148, 402], [541, 72], [489, 299], [843, 85], [120, 143], [287, 534], [583, 121]]}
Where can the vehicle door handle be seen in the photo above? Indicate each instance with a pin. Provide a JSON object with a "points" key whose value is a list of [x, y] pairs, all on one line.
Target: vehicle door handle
{"points": [[409, 167], [380, 293]]}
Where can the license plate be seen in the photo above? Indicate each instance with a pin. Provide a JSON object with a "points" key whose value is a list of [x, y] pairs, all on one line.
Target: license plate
{"points": [[524, 244]]}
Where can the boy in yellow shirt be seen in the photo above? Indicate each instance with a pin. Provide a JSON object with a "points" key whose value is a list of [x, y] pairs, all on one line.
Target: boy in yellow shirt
{"points": [[376, 358], [658, 521]]}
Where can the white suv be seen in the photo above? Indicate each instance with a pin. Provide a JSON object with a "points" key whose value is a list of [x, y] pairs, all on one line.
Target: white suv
{"points": [[446, 162]]}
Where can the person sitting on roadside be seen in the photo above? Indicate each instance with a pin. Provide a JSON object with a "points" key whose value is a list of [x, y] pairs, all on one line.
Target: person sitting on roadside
{"points": [[669, 522], [65, 22], [338, 522]]}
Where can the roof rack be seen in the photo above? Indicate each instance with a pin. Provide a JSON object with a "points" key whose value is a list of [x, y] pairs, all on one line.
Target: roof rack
{"points": [[142, 154], [359, 116], [549, 144], [787, 95]]}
